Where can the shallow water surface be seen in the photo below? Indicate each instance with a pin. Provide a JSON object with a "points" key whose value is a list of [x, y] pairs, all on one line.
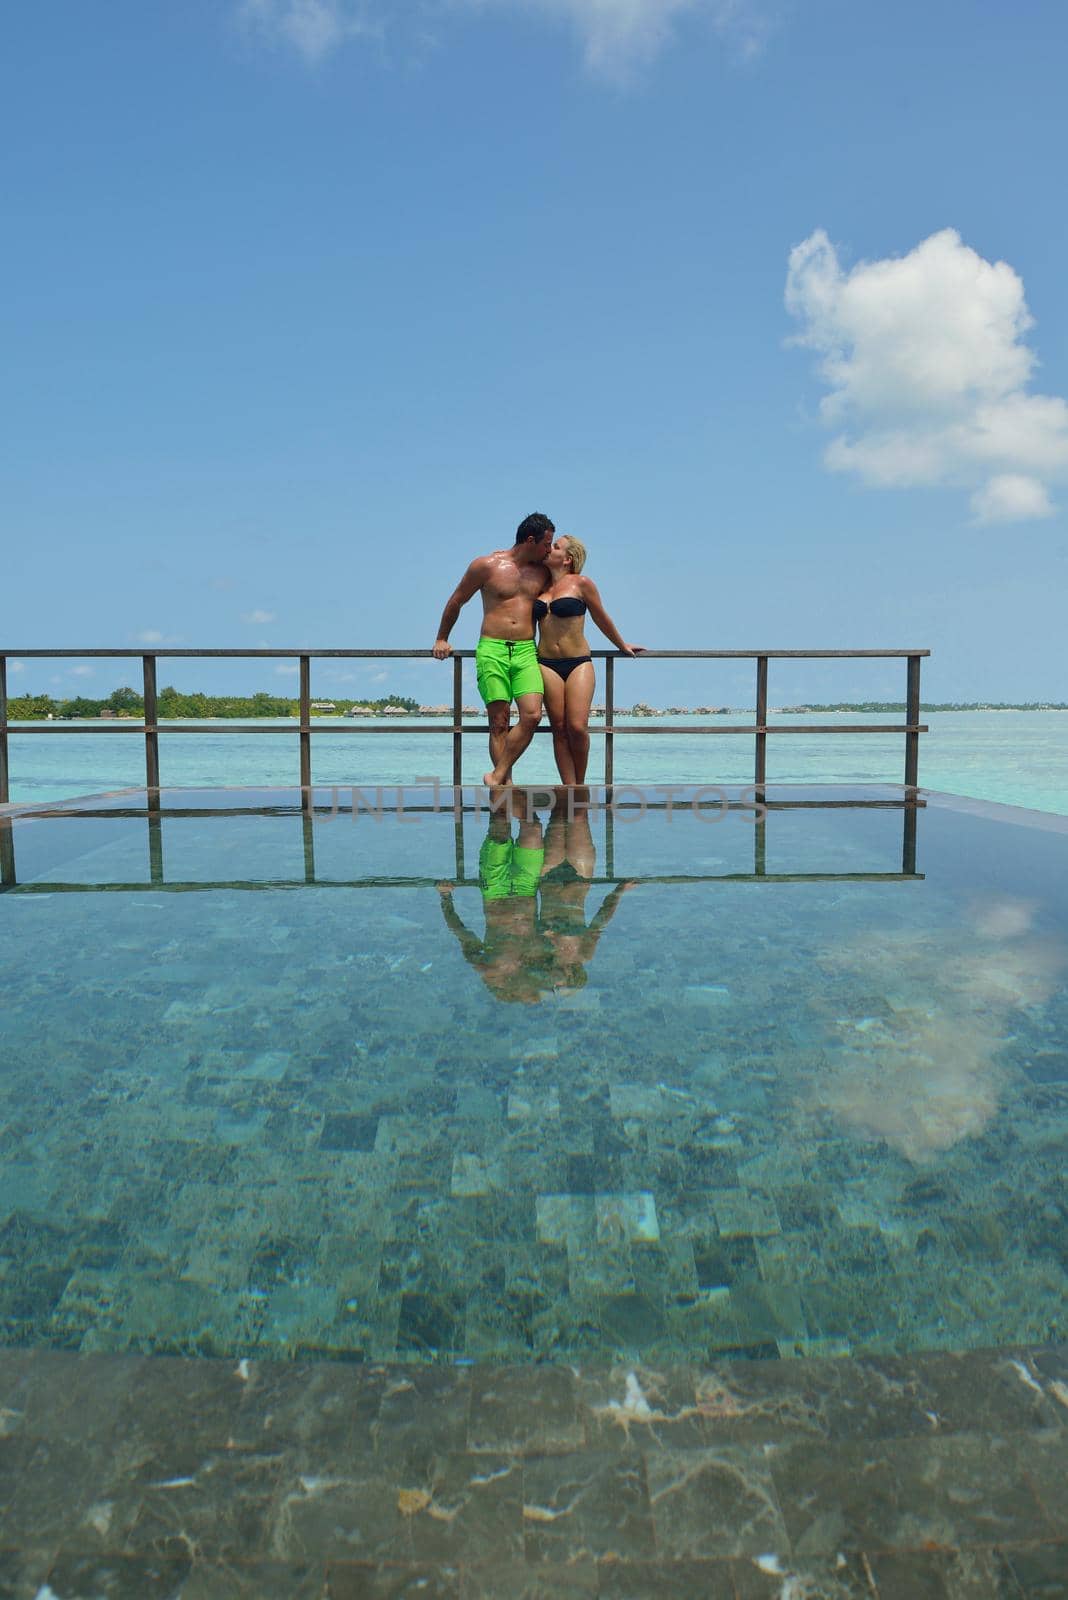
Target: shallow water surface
{"points": [[643, 1083]]}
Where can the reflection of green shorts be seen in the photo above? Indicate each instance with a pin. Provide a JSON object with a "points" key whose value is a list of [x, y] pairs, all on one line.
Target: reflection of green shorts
{"points": [[506, 868], [507, 668]]}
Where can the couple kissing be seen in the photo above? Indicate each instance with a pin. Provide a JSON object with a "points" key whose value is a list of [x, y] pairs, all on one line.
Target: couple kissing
{"points": [[537, 585]]}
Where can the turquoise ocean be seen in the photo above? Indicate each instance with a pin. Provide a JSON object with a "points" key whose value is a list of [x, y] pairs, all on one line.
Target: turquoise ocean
{"points": [[1015, 757]]}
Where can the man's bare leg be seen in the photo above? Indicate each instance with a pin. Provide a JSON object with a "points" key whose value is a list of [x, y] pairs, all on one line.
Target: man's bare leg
{"points": [[499, 713], [516, 741]]}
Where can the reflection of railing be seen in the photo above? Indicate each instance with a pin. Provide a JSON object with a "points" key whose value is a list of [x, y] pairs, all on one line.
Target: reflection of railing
{"points": [[455, 806], [457, 728]]}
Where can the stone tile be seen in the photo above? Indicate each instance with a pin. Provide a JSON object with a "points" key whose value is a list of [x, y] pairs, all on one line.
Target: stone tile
{"points": [[222, 1505], [51, 1487], [640, 1406], [722, 1263], [343, 1130], [524, 1410], [117, 1577], [23, 1572], [771, 1577], [626, 1217], [666, 1579], [714, 1502], [527, 1105], [586, 1506], [357, 1517], [905, 1493], [475, 1505], [973, 1390], [1045, 1465], [636, 1100], [432, 1323], [326, 1409], [745, 1212], [631, 1322], [523, 1581], [364, 1581], [472, 1175], [423, 1412], [255, 1580], [1041, 1571], [943, 1575], [768, 1311]]}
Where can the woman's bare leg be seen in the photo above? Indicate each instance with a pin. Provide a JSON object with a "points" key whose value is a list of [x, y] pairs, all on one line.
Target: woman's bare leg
{"points": [[555, 695], [578, 697]]}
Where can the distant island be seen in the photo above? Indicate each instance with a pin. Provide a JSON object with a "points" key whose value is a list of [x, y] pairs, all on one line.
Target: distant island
{"points": [[173, 705]]}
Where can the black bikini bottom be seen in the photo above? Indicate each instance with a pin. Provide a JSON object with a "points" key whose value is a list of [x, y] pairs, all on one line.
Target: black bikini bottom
{"points": [[564, 665]]}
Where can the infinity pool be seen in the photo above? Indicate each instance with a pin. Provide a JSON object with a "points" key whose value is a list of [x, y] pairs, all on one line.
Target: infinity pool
{"points": [[665, 1082]]}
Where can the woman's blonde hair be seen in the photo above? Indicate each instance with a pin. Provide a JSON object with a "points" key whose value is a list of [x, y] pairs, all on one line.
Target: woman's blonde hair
{"points": [[577, 551]]}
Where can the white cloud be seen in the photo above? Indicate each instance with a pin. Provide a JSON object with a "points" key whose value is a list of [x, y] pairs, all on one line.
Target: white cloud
{"points": [[314, 28], [81, 672], [257, 618], [287, 669], [928, 373], [615, 34], [1011, 497], [17, 666], [618, 34], [154, 636]]}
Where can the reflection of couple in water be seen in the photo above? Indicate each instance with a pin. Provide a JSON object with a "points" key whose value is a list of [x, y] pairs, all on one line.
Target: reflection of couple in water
{"points": [[537, 583], [531, 949]]}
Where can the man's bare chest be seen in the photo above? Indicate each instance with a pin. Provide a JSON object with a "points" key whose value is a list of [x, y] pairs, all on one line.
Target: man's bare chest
{"points": [[507, 581]]}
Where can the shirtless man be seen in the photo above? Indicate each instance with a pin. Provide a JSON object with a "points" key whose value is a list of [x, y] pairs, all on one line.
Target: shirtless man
{"points": [[506, 657]]}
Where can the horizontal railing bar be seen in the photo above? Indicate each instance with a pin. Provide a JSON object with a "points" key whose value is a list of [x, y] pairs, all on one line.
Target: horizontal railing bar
{"points": [[459, 883], [646, 655], [447, 810], [107, 726]]}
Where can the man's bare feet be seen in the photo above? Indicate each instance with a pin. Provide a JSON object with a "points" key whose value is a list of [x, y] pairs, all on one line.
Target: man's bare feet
{"points": [[496, 779]]}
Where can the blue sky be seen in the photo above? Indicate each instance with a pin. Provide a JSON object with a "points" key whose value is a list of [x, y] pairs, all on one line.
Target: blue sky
{"points": [[306, 302]]}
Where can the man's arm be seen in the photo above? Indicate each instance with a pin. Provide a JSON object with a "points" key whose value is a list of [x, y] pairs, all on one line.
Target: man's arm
{"points": [[469, 585], [470, 944]]}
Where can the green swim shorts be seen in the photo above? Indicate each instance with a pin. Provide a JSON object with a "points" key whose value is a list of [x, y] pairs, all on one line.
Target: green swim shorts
{"points": [[506, 868], [507, 668]]}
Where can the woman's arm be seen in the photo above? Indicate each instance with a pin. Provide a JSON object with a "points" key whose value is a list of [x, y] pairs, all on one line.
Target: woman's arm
{"points": [[592, 596]]}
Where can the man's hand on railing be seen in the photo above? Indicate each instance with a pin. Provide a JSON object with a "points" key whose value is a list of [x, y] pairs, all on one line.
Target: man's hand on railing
{"points": [[442, 649]]}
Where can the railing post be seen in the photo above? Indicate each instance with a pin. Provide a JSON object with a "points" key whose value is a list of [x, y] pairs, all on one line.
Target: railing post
{"points": [[307, 823], [760, 770], [609, 720], [760, 845], [912, 717], [7, 854], [457, 718], [3, 732], [908, 840], [305, 730], [148, 664], [155, 842]]}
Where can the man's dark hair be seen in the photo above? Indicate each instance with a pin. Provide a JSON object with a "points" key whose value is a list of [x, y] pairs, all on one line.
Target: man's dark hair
{"points": [[533, 527]]}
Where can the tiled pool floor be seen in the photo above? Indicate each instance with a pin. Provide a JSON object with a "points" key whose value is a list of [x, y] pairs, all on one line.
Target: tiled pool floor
{"points": [[750, 1119], [276, 1091], [867, 1479]]}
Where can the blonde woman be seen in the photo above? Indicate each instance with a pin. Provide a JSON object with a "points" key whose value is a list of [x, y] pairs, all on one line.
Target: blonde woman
{"points": [[564, 653]]}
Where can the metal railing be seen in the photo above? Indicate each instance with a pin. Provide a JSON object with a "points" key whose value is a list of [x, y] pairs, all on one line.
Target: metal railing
{"points": [[760, 729]]}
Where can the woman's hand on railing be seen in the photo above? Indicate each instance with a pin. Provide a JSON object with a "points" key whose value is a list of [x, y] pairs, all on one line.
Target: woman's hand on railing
{"points": [[632, 649]]}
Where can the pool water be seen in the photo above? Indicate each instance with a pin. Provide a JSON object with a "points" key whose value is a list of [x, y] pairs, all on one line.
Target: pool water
{"points": [[653, 1083]]}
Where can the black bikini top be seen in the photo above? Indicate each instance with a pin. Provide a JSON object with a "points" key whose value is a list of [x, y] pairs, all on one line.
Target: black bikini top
{"points": [[570, 605]]}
